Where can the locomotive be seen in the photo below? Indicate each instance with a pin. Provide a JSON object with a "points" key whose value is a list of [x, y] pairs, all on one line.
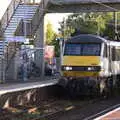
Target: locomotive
{"points": [[90, 64]]}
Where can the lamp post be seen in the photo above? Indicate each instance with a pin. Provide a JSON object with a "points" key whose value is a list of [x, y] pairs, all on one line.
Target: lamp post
{"points": [[115, 25]]}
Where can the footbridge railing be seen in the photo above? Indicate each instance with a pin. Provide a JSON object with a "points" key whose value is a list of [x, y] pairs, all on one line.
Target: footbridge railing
{"points": [[9, 12], [11, 9]]}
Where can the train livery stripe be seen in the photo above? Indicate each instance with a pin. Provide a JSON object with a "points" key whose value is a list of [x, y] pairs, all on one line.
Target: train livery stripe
{"points": [[81, 60]]}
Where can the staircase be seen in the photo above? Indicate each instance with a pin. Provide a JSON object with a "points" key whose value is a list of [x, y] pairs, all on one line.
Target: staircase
{"points": [[23, 12], [19, 12]]}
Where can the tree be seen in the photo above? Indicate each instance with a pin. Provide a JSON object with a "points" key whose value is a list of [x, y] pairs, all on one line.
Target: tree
{"points": [[90, 23], [51, 37], [50, 34]]}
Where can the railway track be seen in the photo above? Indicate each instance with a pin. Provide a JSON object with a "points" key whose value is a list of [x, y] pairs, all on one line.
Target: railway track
{"points": [[90, 111], [50, 110], [76, 106], [56, 108], [61, 112]]}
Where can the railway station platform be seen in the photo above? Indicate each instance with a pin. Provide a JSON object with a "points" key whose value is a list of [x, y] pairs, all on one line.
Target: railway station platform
{"points": [[20, 86], [22, 93], [113, 114]]}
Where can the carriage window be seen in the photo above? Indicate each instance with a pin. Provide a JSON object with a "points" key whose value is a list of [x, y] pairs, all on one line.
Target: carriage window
{"points": [[117, 54], [82, 49]]}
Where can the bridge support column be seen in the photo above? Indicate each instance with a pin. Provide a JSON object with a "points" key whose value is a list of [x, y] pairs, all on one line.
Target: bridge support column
{"points": [[39, 45]]}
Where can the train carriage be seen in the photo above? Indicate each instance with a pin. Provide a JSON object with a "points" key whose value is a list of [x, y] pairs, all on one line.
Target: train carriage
{"points": [[90, 64]]}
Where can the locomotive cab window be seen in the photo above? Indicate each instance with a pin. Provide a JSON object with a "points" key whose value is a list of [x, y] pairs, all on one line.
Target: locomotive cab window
{"points": [[86, 49]]}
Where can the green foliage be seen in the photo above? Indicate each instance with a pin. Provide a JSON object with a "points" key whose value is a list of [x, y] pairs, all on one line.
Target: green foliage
{"points": [[51, 39], [90, 23], [50, 34], [56, 44]]}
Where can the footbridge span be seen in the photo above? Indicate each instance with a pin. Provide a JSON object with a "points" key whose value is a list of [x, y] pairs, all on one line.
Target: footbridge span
{"points": [[66, 6]]}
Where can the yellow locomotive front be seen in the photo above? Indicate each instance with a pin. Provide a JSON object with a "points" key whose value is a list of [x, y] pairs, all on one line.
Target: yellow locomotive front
{"points": [[81, 63], [81, 60]]}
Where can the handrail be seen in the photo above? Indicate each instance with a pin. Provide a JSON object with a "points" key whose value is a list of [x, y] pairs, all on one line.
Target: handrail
{"points": [[11, 9], [0, 30], [9, 12]]}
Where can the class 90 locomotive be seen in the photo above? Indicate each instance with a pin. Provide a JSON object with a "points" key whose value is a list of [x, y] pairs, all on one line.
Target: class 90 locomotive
{"points": [[90, 64]]}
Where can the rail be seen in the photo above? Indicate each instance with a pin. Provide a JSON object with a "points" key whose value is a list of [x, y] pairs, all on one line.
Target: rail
{"points": [[11, 9], [0, 31], [9, 12]]}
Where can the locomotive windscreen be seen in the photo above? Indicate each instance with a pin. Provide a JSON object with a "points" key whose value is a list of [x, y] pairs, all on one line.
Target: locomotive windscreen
{"points": [[82, 49]]}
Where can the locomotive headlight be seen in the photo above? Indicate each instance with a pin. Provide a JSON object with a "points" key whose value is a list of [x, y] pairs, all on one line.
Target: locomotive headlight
{"points": [[94, 68], [91, 68], [68, 68]]}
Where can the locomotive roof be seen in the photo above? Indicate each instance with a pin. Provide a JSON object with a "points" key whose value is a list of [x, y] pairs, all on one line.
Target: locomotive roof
{"points": [[89, 38]]}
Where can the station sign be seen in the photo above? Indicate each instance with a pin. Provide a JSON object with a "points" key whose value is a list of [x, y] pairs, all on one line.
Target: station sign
{"points": [[15, 39]]}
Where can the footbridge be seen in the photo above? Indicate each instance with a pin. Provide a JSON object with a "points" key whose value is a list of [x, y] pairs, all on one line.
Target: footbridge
{"points": [[25, 19], [71, 6]]}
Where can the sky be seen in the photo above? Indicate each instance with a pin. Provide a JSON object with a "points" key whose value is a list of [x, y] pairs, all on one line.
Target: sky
{"points": [[3, 6], [54, 19]]}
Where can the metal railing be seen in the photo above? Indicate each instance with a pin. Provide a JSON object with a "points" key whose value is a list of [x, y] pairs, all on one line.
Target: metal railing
{"points": [[11, 9], [4, 23], [9, 12]]}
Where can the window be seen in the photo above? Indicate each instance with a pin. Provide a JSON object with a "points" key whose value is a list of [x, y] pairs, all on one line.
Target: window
{"points": [[117, 54], [82, 49], [91, 49], [73, 49]]}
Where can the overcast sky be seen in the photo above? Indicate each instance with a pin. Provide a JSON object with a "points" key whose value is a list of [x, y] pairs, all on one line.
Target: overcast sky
{"points": [[3, 6], [55, 18]]}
